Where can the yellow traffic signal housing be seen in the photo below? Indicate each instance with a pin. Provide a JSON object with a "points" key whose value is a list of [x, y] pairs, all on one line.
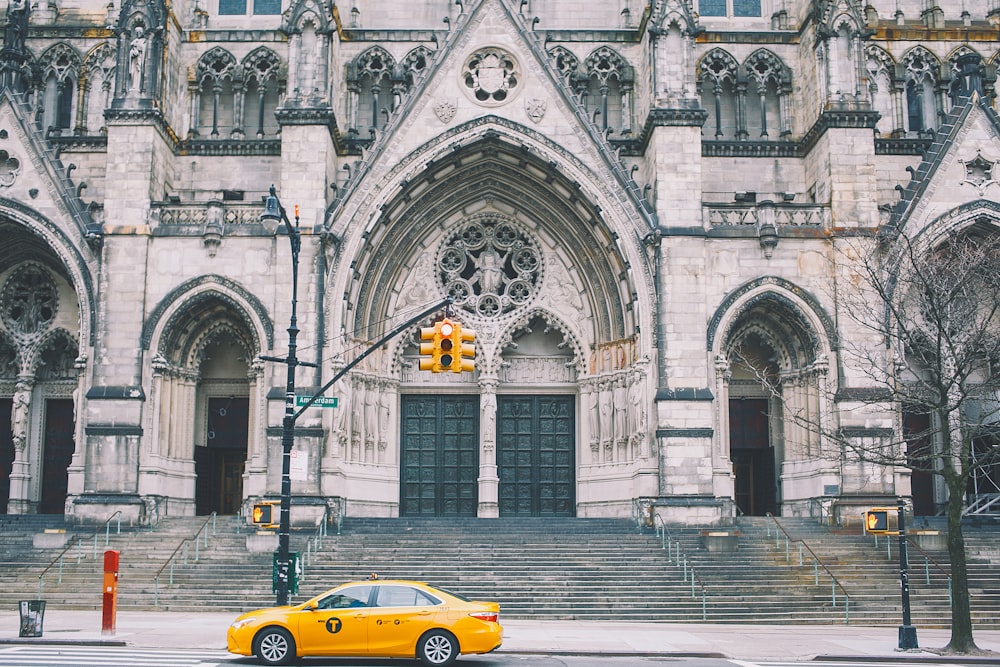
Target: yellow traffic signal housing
{"points": [[877, 522], [263, 514], [448, 331], [430, 351], [466, 345]]}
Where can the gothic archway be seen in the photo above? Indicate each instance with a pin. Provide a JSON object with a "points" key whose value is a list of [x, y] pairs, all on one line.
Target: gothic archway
{"points": [[206, 432], [771, 384]]}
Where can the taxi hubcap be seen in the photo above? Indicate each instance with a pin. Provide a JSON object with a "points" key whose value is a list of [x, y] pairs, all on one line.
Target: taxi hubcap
{"points": [[274, 647], [438, 649]]}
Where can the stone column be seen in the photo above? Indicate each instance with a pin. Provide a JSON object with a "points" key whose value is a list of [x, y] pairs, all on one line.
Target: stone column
{"points": [[489, 482], [20, 427]]}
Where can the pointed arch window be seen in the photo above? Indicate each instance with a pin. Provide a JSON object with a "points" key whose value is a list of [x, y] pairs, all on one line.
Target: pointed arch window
{"points": [[565, 62], [879, 68], [61, 68], [921, 106], [766, 97], [261, 69], [609, 90], [213, 99], [99, 75], [717, 79], [370, 82]]}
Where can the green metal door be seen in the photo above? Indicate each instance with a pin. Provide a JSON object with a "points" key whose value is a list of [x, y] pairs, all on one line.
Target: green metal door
{"points": [[440, 456], [535, 455]]}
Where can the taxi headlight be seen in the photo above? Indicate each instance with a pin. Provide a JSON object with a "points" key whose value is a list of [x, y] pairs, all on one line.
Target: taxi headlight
{"points": [[243, 622]]}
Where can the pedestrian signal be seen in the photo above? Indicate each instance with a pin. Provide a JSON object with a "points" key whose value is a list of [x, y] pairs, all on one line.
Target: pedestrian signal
{"points": [[877, 522], [263, 514]]}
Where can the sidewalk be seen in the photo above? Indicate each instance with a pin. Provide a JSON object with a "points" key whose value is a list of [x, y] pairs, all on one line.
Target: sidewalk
{"points": [[162, 629]]}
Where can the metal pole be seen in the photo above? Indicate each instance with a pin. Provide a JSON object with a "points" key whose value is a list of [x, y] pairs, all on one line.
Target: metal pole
{"points": [[288, 423], [907, 632]]}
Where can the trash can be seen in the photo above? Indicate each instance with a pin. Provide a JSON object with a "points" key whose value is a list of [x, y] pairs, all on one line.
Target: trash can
{"points": [[32, 614]]}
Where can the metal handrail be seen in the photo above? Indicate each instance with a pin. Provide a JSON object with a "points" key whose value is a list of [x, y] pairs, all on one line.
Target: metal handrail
{"points": [[666, 540], [77, 542], [315, 541], [835, 583], [928, 559], [197, 537]]}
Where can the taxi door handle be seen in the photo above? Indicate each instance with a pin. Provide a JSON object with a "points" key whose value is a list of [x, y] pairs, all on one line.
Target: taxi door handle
{"points": [[424, 613]]}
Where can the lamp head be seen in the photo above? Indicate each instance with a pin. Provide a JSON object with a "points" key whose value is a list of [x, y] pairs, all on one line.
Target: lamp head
{"points": [[272, 215]]}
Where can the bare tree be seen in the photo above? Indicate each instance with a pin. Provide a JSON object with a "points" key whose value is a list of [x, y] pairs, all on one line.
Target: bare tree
{"points": [[928, 315]]}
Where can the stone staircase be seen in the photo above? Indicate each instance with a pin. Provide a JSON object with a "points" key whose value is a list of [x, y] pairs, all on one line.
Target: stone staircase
{"points": [[536, 568]]}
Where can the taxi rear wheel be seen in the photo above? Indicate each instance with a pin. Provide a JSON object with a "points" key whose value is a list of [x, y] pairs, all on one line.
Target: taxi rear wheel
{"points": [[437, 648], [274, 646]]}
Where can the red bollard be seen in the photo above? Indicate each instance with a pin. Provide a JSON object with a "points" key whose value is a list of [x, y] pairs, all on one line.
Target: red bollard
{"points": [[110, 605]]}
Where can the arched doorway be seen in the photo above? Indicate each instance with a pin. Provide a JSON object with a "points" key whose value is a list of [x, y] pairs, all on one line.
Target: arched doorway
{"points": [[39, 318], [771, 381], [208, 400]]}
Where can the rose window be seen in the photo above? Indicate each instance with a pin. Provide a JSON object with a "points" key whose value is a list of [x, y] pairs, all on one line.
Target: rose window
{"points": [[491, 76], [490, 267]]}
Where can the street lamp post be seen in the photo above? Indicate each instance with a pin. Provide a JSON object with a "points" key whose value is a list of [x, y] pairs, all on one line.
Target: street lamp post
{"points": [[274, 213]]}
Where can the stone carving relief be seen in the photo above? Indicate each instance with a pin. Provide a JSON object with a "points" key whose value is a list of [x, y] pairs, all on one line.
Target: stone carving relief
{"points": [[535, 108], [490, 266], [445, 110], [29, 301], [617, 425], [491, 76], [979, 173], [10, 169]]}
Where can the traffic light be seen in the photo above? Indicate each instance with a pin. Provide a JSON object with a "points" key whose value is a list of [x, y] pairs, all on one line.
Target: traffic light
{"points": [[448, 330], [877, 522], [430, 351], [263, 514], [465, 344]]}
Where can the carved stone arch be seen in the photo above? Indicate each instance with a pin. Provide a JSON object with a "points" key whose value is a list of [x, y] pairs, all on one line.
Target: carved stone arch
{"points": [[717, 66], [198, 320], [414, 65], [36, 237], [553, 321], [981, 212], [877, 59], [302, 12], [55, 355], [763, 66], [491, 174], [605, 64], [668, 13], [60, 61], [833, 14], [194, 351], [565, 62], [204, 289], [215, 65], [817, 330], [262, 65], [375, 63], [29, 302], [920, 63]]}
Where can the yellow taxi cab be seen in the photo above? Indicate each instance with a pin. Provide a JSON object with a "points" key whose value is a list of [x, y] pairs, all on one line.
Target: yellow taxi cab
{"points": [[376, 618]]}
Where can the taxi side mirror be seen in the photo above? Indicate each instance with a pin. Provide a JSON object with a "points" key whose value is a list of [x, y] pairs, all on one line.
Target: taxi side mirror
{"points": [[312, 606]]}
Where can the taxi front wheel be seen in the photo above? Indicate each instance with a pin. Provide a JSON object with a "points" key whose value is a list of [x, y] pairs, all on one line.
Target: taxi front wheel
{"points": [[274, 646], [437, 648]]}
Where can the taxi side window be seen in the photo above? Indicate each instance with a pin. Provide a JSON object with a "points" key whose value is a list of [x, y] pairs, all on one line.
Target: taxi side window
{"points": [[404, 596], [347, 599]]}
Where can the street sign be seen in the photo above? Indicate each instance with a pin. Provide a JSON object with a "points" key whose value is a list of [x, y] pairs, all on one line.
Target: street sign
{"points": [[321, 402]]}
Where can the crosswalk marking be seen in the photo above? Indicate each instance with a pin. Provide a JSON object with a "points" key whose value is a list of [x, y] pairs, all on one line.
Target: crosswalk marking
{"points": [[93, 656]]}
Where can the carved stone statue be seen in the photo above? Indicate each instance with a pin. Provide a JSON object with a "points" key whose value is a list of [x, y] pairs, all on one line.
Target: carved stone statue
{"points": [[19, 415], [137, 60]]}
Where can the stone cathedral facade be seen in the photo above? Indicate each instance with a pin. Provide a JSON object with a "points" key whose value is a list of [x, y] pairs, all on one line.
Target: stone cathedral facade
{"points": [[619, 196]]}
